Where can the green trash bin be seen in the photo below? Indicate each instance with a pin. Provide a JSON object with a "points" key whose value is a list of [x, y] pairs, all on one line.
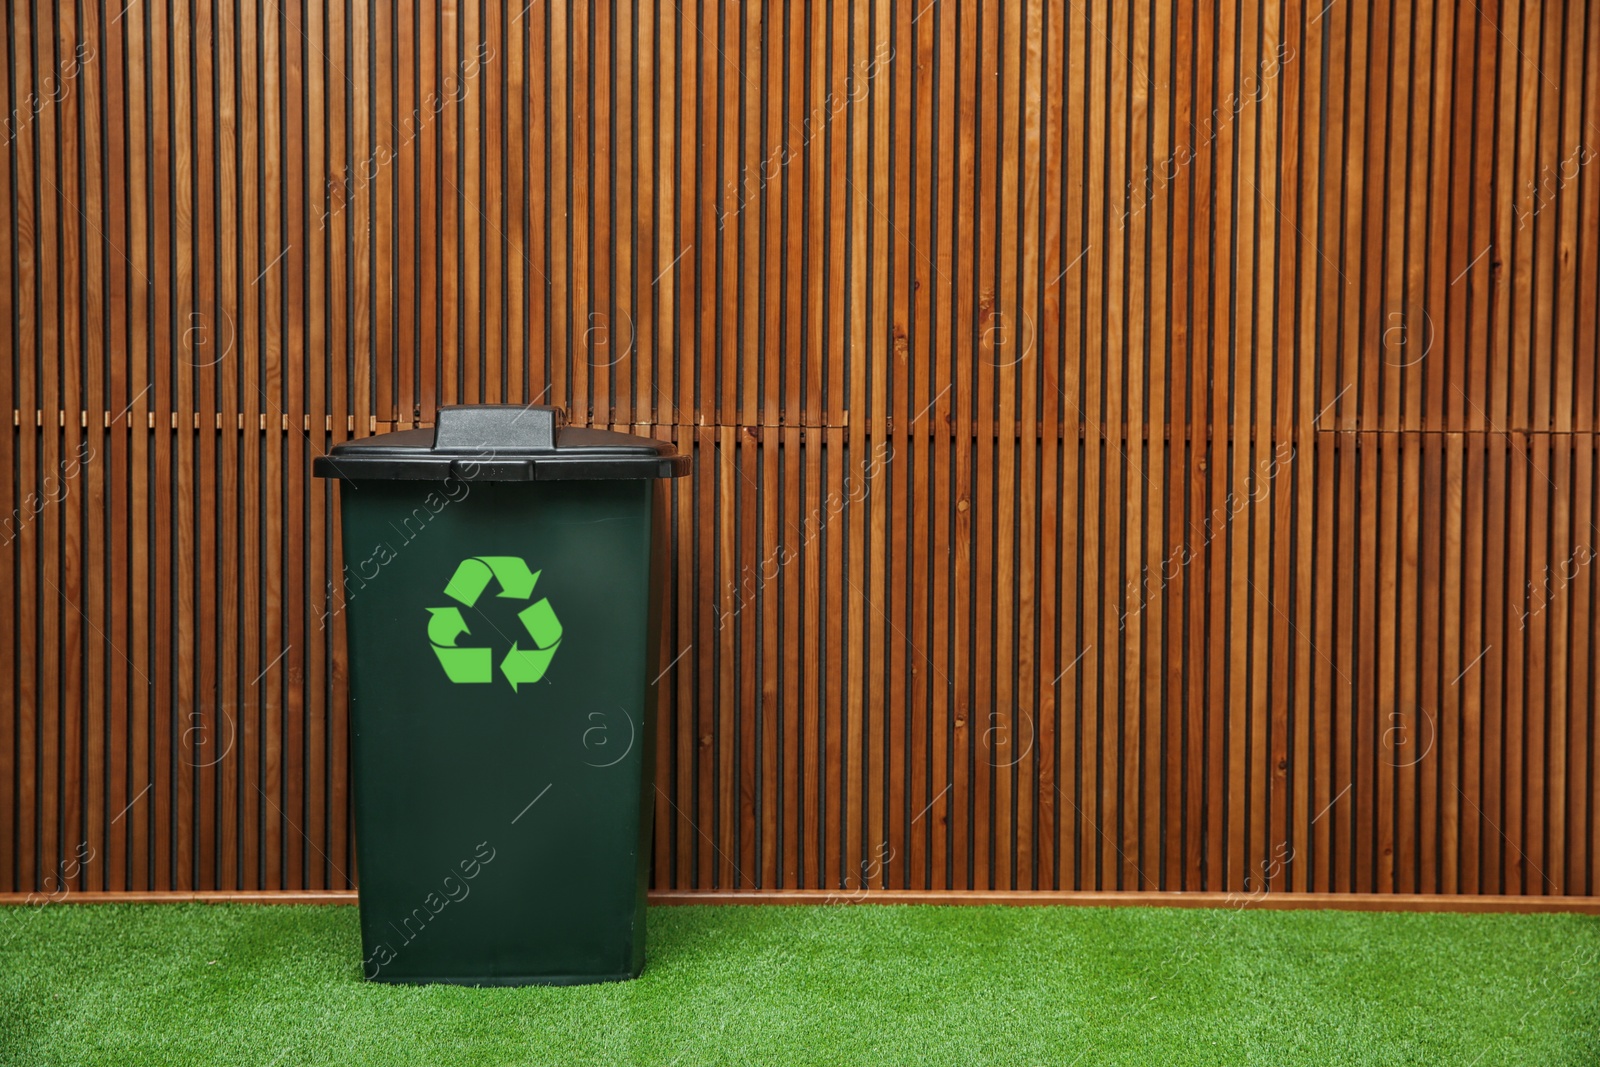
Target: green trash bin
{"points": [[501, 586]]}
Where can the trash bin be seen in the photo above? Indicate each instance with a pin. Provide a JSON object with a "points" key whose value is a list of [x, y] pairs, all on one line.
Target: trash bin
{"points": [[501, 585]]}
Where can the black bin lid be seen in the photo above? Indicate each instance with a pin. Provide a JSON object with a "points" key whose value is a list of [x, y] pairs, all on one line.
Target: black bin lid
{"points": [[501, 443]]}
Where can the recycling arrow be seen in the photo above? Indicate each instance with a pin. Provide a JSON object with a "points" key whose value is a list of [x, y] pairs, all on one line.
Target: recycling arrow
{"points": [[521, 666], [472, 578], [541, 623], [460, 664], [446, 625]]}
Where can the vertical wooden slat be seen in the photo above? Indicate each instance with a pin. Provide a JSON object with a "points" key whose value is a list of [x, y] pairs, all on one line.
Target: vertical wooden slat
{"points": [[480, 212], [1509, 818], [55, 228], [795, 866], [298, 850], [279, 827], [380, 157], [12, 277], [165, 656], [119, 398], [91, 458], [457, 220], [254, 255], [431, 191], [686, 738], [878, 216], [1295, 432], [405, 223], [740, 674], [1534, 626], [1453, 735], [903, 638], [1423, 752], [1345, 807], [184, 489], [1488, 813], [1154, 824], [1184, 689], [1124, 32], [340, 400], [1210, 303], [713, 504], [944, 168], [963, 27], [788, 659], [1051, 265], [324, 582], [75, 623], [811, 800], [859, 345], [208, 340], [1076, 638], [140, 381], [833, 870]]}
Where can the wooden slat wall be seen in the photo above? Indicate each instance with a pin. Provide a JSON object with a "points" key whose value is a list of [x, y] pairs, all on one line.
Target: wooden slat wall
{"points": [[1137, 446]]}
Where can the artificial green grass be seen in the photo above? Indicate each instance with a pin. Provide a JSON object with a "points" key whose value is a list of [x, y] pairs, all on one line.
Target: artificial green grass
{"points": [[199, 984]]}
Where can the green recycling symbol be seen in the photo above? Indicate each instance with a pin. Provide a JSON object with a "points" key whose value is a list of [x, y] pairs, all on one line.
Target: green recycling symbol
{"points": [[521, 666]]}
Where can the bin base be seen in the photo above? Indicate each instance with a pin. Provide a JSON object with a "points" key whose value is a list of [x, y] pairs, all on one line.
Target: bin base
{"points": [[515, 980]]}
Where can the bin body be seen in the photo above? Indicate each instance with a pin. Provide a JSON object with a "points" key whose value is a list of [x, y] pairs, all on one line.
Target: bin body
{"points": [[503, 652]]}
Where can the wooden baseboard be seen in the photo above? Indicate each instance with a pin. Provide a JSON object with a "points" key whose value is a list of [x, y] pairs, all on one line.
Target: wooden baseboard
{"points": [[180, 896], [1268, 901]]}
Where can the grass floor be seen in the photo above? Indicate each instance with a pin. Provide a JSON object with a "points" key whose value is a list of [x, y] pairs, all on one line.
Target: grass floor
{"points": [[198, 984]]}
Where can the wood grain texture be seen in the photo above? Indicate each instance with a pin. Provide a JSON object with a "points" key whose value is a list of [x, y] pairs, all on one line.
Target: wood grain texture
{"points": [[1139, 449]]}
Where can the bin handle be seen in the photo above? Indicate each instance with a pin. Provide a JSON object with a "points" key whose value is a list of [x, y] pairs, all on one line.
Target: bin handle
{"points": [[515, 470]]}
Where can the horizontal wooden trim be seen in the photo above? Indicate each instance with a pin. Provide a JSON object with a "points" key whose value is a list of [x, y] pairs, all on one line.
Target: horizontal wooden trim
{"points": [[1270, 901], [1432, 902], [1470, 431], [171, 420], [284, 423], [178, 896]]}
